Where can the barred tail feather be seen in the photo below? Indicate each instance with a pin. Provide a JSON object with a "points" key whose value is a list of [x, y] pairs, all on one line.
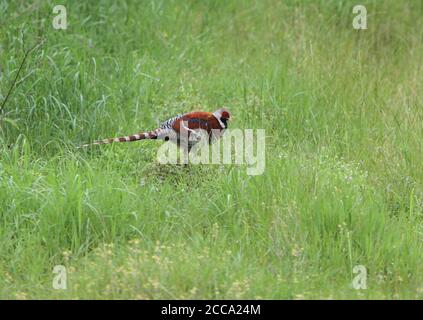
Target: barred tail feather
{"points": [[134, 137]]}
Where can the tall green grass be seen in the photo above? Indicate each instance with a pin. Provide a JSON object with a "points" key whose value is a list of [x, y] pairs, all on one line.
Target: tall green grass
{"points": [[342, 110]]}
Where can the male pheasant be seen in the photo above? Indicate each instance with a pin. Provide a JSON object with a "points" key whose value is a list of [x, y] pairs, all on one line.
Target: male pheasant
{"points": [[182, 129]]}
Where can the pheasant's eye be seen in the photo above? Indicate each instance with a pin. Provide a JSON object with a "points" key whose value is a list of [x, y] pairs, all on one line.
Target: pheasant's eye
{"points": [[225, 114]]}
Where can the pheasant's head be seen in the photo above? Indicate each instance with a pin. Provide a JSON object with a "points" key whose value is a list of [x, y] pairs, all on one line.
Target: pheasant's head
{"points": [[223, 116]]}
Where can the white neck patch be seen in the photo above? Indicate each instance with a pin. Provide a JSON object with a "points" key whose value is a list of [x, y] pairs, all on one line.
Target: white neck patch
{"points": [[217, 116]]}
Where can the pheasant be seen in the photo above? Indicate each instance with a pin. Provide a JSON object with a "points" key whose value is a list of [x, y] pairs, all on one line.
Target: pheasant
{"points": [[182, 129]]}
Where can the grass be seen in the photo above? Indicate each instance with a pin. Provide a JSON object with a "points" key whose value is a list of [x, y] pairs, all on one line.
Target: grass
{"points": [[343, 184]]}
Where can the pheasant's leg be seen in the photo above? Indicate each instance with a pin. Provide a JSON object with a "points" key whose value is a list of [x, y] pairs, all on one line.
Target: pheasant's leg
{"points": [[192, 135]]}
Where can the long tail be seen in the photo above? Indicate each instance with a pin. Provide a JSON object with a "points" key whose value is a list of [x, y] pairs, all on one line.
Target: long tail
{"points": [[134, 137]]}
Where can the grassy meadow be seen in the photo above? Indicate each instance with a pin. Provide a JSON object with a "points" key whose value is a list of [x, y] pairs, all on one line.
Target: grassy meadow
{"points": [[343, 183]]}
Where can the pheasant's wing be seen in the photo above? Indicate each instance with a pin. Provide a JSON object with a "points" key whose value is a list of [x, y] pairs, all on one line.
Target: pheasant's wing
{"points": [[168, 124]]}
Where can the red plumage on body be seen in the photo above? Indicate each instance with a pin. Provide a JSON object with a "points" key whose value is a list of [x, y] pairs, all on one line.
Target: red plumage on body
{"points": [[182, 129]]}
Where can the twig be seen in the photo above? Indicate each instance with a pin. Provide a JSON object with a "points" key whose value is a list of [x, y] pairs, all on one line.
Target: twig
{"points": [[27, 52]]}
